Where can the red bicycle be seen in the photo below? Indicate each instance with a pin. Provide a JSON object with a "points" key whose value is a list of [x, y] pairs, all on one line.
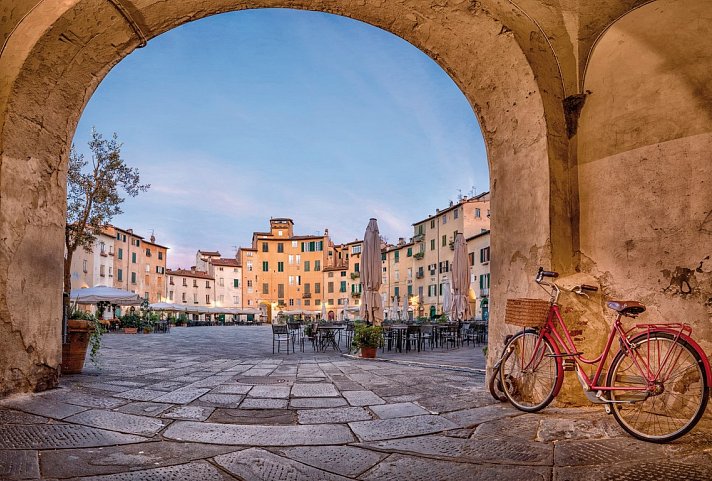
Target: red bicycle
{"points": [[657, 384]]}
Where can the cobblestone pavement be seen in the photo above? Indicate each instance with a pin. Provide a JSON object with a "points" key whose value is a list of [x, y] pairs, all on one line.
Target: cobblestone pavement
{"points": [[215, 404]]}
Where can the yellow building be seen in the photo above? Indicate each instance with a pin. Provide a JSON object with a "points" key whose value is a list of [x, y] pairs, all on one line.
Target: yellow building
{"points": [[283, 271], [433, 248], [397, 276], [343, 281], [139, 264], [478, 252]]}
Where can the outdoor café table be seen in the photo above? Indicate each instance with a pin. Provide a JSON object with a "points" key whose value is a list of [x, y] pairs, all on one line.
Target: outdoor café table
{"points": [[328, 336], [399, 331]]}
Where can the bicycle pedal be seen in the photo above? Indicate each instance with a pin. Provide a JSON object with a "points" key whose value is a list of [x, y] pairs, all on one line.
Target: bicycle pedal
{"points": [[569, 365], [608, 409]]}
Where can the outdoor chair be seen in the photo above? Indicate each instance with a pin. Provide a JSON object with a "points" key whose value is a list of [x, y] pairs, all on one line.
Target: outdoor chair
{"points": [[426, 334], [388, 338], [412, 338], [349, 334], [280, 334], [469, 333], [450, 335], [296, 333]]}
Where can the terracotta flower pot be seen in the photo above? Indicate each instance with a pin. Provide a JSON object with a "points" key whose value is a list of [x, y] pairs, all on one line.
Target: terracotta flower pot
{"points": [[130, 330], [368, 352], [74, 352]]}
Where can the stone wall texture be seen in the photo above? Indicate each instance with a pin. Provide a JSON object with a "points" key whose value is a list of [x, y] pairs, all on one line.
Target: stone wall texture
{"points": [[596, 119]]}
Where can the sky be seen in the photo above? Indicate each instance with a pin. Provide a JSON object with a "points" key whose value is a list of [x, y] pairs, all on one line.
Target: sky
{"points": [[244, 116]]}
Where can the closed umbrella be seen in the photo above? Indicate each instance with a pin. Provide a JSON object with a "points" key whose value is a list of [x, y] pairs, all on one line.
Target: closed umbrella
{"points": [[346, 306], [460, 309], [323, 311], [447, 298], [404, 309], [372, 304]]}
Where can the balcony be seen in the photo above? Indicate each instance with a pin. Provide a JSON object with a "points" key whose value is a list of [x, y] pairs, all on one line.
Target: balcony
{"points": [[419, 275], [356, 295], [451, 244], [418, 237], [419, 255], [306, 295], [355, 275]]}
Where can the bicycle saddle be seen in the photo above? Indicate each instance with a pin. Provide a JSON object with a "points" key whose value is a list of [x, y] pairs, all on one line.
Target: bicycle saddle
{"points": [[627, 308]]}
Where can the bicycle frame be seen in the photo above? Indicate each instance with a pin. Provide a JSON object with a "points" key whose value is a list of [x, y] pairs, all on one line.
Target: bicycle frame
{"points": [[564, 346]]}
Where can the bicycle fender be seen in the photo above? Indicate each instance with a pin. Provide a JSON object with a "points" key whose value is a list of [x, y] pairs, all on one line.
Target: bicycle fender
{"points": [[691, 342]]}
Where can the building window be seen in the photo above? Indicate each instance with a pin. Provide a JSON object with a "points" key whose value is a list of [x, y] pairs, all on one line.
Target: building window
{"points": [[265, 288], [484, 255], [295, 244], [236, 283], [455, 213], [307, 266], [444, 240], [291, 302], [356, 249], [280, 291], [207, 284], [249, 266], [432, 244], [119, 275], [102, 248], [185, 282], [111, 271], [222, 282], [183, 297], [342, 288], [221, 299], [148, 267], [265, 266], [195, 283], [160, 270], [444, 219], [148, 252], [478, 214], [330, 288], [432, 223], [280, 266], [121, 253], [84, 266], [298, 259], [291, 280], [235, 300], [170, 295], [317, 265], [409, 252], [471, 258], [356, 267], [290, 259], [101, 270], [160, 255], [133, 278], [133, 258], [432, 290], [195, 298], [265, 247], [317, 288], [280, 246], [396, 257]]}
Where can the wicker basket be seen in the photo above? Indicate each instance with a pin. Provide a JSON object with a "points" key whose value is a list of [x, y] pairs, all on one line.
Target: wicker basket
{"points": [[527, 312]]}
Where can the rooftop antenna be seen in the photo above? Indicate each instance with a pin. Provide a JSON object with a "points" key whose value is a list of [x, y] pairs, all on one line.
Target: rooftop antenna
{"points": [[459, 195], [473, 191]]}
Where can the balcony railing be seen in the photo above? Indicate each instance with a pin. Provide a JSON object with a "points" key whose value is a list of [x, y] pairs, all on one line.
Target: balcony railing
{"points": [[419, 255], [419, 275], [355, 275], [418, 237], [307, 295], [484, 292], [355, 295]]}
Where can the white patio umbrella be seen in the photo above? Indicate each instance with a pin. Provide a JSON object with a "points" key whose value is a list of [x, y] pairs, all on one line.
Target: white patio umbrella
{"points": [[93, 295], [323, 311], [447, 298], [346, 306], [404, 309], [371, 303], [460, 309]]}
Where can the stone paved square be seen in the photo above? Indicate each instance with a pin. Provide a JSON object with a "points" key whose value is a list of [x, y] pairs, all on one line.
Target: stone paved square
{"points": [[309, 415]]}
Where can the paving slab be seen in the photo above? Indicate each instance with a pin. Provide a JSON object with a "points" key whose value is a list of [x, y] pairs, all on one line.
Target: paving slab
{"points": [[192, 471], [182, 396], [314, 390], [11, 416], [318, 402], [220, 400], [605, 451], [652, 470], [35, 404], [472, 417], [302, 435], [254, 416], [83, 399], [70, 463], [60, 436], [103, 386], [499, 450], [232, 389], [399, 468], [16, 465], [397, 410], [140, 394], [120, 422], [400, 427], [262, 403], [347, 461], [144, 408], [166, 386], [189, 413], [258, 464], [597, 427], [362, 398], [333, 415], [277, 392]]}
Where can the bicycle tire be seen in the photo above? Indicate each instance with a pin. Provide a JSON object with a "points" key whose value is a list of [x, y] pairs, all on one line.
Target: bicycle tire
{"points": [[666, 415], [495, 386], [519, 385]]}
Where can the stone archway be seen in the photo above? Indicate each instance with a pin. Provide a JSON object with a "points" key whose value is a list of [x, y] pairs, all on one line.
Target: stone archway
{"points": [[524, 66]]}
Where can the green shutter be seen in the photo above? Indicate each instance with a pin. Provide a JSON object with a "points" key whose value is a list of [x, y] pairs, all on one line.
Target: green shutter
{"points": [[235, 283]]}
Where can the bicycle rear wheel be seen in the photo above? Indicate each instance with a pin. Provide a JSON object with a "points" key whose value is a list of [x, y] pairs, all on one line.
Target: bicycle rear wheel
{"points": [[671, 405], [529, 373]]}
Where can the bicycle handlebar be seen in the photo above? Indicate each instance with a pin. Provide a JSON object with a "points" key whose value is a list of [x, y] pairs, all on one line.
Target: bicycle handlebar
{"points": [[586, 287], [541, 274]]}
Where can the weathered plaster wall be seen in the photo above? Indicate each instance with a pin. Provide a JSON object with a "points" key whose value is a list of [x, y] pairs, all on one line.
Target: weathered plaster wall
{"points": [[645, 174], [60, 52]]}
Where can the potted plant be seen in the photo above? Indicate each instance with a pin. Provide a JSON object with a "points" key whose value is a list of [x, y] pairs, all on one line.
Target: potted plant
{"points": [[83, 331], [130, 323], [367, 338]]}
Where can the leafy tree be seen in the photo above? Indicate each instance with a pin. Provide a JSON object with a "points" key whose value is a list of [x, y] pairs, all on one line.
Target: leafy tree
{"points": [[94, 194]]}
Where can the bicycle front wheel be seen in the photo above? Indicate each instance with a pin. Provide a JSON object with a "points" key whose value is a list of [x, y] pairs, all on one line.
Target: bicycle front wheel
{"points": [[529, 373], [670, 405]]}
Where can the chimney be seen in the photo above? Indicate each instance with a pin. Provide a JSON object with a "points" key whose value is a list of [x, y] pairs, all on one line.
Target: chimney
{"points": [[153, 238], [130, 231]]}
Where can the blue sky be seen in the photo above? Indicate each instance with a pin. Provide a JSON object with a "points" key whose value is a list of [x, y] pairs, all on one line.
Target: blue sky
{"points": [[240, 117]]}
